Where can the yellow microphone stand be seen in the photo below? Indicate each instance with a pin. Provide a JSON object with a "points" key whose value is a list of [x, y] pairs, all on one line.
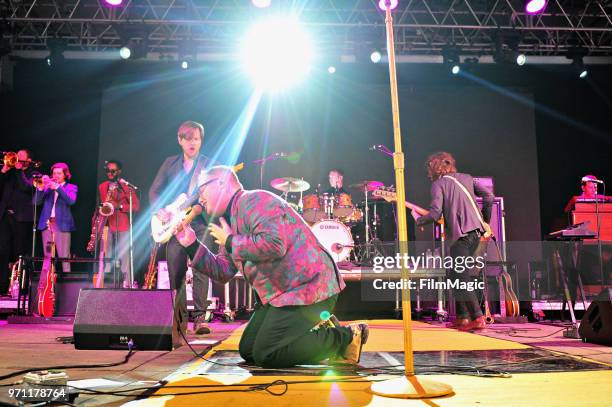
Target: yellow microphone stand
{"points": [[409, 385]]}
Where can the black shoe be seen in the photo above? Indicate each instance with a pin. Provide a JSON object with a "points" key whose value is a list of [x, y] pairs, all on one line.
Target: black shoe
{"points": [[200, 326]]}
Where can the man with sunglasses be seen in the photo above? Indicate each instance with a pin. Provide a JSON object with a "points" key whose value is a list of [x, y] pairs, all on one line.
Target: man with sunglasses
{"points": [[295, 279], [16, 213], [118, 242], [178, 174]]}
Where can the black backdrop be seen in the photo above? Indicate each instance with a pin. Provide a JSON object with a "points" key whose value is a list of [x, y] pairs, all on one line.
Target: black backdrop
{"points": [[87, 111]]}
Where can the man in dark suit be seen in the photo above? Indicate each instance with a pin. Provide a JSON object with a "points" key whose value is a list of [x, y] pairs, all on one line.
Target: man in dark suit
{"points": [[179, 174], [16, 213], [453, 195], [57, 196]]}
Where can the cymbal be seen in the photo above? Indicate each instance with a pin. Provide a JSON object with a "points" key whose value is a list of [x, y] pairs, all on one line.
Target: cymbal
{"points": [[367, 185], [290, 184]]}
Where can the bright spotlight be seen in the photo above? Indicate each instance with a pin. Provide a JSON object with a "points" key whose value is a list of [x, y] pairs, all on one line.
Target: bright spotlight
{"points": [[535, 6], [521, 59], [185, 64], [455, 69], [125, 52], [382, 4], [261, 3], [113, 3], [331, 69], [375, 57], [276, 53], [583, 73]]}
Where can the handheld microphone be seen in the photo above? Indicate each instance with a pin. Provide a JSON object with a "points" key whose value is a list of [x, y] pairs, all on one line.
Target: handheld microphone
{"points": [[597, 181]]}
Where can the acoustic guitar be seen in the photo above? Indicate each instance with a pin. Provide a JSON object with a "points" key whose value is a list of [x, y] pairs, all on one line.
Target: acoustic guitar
{"points": [[46, 295]]}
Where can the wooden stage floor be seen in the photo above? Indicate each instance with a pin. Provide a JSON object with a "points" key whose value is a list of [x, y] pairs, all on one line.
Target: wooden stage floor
{"points": [[519, 365]]}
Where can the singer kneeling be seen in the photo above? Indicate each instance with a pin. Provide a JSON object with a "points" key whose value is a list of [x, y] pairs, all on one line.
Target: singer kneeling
{"points": [[294, 278]]}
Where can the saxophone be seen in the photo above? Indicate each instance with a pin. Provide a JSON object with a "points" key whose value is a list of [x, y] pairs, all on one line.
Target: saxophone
{"points": [[105, 210]]}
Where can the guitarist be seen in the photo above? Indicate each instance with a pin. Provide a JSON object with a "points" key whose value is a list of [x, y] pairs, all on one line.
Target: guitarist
{"points": [[178, 174], [463, 226]]}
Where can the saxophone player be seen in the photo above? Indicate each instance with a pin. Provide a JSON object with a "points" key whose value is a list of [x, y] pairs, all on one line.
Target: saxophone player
{"points": [[114, 207]]}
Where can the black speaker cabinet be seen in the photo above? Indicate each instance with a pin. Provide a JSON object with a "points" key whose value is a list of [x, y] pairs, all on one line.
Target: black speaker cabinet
{"points": [[498, 226], [112, 318], [596, 324]]}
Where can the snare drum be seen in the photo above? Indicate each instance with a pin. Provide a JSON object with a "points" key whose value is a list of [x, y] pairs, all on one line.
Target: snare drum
{"points": [[312, 208], [335, 238], [343, 205]]}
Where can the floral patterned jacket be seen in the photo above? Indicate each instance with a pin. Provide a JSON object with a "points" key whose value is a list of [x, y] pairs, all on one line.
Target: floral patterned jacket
{"points": [[275, 250]]}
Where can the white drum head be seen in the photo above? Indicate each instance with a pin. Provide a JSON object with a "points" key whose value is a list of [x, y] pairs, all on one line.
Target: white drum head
{"points": [[335, 238]]}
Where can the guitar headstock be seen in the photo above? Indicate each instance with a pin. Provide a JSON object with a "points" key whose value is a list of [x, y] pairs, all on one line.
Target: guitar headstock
{"points": [[386, 193]]}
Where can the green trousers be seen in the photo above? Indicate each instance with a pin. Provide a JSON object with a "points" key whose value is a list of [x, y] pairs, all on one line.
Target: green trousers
{"points": [[278, 337]]}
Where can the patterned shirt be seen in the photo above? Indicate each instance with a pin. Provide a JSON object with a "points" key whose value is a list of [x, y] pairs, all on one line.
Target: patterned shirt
{"points": [[276, 251]]}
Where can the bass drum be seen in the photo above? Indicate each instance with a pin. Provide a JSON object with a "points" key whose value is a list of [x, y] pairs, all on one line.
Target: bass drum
{"points": [[335, 238]]}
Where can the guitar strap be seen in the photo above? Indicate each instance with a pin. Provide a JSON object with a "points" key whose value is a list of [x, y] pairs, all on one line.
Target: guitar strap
{"points": [[198, 167], [482, 222]]}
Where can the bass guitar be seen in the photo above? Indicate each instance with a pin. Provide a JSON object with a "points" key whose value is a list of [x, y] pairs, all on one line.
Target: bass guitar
{"points": [[389, 195], [46, 294]]}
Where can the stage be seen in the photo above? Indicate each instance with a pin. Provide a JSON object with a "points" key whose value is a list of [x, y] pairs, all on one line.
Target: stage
{"points": [[505, 364]]}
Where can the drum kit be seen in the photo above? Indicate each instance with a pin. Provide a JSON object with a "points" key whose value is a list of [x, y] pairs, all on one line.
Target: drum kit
{"points": [[331, 216]]}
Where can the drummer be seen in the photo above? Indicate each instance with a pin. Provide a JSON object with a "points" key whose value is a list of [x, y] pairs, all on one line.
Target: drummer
{"points": [[336, 179]]}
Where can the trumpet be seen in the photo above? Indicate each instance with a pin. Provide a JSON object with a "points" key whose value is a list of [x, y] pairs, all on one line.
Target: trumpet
{"points": [[41, 181], [10, 160]]}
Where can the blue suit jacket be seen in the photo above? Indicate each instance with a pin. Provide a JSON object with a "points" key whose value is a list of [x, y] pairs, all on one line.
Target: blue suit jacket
{"points": [[67, 196]]}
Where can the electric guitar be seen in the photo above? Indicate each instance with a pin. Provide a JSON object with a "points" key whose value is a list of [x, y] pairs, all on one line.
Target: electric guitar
{"points": [[389, 195], [46, 295], [178, 210]]}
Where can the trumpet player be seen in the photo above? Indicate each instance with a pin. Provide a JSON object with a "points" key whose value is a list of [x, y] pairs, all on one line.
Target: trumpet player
{"points": [[115, 206], [16, 211], [57, 196]]}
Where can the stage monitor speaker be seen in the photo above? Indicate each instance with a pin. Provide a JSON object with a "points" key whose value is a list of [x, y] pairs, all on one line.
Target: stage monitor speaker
{"points": [[596, 324], [114, 318]]}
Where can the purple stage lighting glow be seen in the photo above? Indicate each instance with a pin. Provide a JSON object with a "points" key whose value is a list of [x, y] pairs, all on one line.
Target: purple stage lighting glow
{"points": [[113, 2], [535, 6], [382, 4]]}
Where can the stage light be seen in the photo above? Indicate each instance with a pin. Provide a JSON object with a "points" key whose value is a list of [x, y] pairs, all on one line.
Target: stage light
{"points": [[382, 4], [184, 64], [535, 6], [331, 69], [56, 51], [576, 54], [276, 53], [125, 52], [375, 57], [455, 69], [261, 3], [113, 3], [521, 59]]}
